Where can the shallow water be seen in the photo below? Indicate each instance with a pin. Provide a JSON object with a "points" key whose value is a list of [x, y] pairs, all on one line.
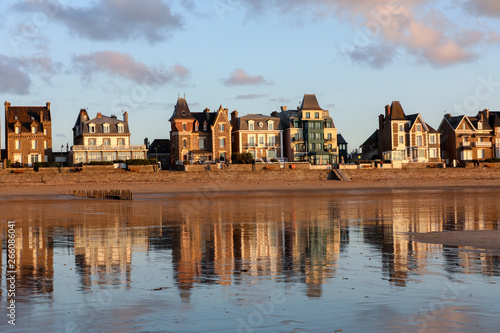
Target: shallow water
{"points": [[264, 262]]}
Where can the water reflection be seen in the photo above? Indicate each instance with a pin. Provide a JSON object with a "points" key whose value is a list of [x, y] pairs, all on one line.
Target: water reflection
{"points": [[307, 240]]}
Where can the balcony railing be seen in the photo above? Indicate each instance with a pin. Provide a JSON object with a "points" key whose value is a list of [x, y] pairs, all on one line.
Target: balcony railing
{"points": [[108, 148], [482, 144], [261, 146], [465, 144]]}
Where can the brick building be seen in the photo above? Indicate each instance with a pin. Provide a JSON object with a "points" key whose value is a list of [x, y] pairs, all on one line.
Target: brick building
{"points": [[28, 134], [199, 136]]}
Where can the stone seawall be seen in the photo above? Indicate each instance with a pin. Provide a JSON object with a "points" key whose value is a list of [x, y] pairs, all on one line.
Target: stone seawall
{"points": [[400, 177]]}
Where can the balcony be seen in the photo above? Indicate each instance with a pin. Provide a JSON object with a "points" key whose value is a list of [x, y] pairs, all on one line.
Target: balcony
{"points": [[482, 144], [276, 146], [465, 144], [108, 148]]}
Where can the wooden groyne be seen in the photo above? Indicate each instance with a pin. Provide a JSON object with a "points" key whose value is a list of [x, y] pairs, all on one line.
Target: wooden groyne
{"points": [[105, 194]]}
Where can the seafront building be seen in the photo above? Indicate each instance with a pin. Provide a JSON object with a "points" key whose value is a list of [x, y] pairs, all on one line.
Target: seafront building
{"points": [[465, 138], [199, 136], [28, 134], [258, 135], [309, 133], [103, 138], [404, 138]]}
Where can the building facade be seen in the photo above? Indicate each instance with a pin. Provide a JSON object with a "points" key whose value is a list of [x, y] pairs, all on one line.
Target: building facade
{"points": [[465, 138], [199, 136], [103, 138], [406, 138], [28, 134], [258, 135], [309, 133]]}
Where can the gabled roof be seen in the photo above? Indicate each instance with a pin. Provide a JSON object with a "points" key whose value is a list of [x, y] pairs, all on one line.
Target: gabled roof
{"points": [[372, 140], [202, 117], [397, 112], [310, 102], [340, 139], [431, 129], [494, 119], [412, 118], [476, 120], [181, 110]]}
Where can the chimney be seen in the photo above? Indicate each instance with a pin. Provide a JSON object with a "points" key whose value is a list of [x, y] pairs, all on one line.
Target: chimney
{"points": [[234, 116], [381, 122], [48, 106], [41, 116], [486, 113], [82, 115], [99, 115], [387, 111], [125, 116], [275, 114], [284, 108], [146, 142], [447, 116], [206, 111]]}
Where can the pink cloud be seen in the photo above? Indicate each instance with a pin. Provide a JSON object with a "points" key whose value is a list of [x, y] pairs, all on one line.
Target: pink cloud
{"points": [[240, 78]]}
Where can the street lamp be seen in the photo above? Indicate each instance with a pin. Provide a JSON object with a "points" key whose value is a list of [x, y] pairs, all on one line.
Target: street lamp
{"points": [[62, 147]]}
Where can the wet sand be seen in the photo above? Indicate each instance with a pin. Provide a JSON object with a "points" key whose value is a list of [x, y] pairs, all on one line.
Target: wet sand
{"points": [[42, 186]]}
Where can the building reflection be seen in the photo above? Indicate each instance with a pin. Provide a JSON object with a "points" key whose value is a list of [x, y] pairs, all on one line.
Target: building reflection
{"points": [[228, 242]]}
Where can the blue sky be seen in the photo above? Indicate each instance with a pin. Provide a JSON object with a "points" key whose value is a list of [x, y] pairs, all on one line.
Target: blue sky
{"points": [[249, 55]]}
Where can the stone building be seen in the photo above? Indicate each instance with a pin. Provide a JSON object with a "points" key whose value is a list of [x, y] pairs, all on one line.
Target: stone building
{"points": [[103, 138], [199, 136], [28, 134], [258, 135]]}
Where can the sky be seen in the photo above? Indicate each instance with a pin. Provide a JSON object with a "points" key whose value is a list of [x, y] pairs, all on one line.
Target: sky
{"points": [[253, 56]]}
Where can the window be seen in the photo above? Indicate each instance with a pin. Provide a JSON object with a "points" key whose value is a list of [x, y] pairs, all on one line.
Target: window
{"points": [[184, 127], [44, 144], [311, 125], [480, 126], [105, 128], [329, 136], [201, 143], [432, 153], [319, 146], [18, 144], [106, 142], [317, 136], [401, 128], [33, 144], [270, 126], [222, 143], [250, 125], [419, 140], [270, 141], [184, 143], [318, 126], [121, 142], [464, 126], [480, 153], [261, 140], [221, 127], [296, 123], [120, 128], [18, 130], [311, 136], [251, 141], [44, 131], [308, 115], [205, 126], [328, 124], [419, 128], [222, 157], [297, 136], [196, 127], [91, 128], [92, 142], [432, 139], [401, 139], [33, 129], [316, 115]]}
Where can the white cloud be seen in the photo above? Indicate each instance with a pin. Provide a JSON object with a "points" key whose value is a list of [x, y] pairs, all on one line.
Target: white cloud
{"points": [[107, 20], [123, 65]]}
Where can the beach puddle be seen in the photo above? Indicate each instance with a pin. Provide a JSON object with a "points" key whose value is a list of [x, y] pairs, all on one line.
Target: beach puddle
{"points": [[219, 262]]}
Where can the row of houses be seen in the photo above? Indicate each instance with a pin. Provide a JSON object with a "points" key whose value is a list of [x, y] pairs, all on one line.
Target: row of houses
{"points": [[408, 138], [307, 133]]}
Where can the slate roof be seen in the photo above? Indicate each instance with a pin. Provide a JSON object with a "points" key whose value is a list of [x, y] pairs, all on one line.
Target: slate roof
{"points": [[26, 115], [372, 140], [397, 112], [340, 139], [310, 102], [181, 110], [202, 117], [113, 122], [163, 146], [242, 122]]}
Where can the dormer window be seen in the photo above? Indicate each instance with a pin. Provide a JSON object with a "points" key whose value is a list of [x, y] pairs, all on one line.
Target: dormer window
{"points": [[205, 126], [184, 127], [44, 131], [480, 126], [92, 128], [270, 125], [221, 127], [251, 125], [196, 127], [120, 128], [17, 130], [105, 128], [33, 129], [464, 126]]}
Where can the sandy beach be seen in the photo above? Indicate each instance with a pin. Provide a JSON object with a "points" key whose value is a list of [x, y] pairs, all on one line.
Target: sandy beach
{"points": [[39, 185]]}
